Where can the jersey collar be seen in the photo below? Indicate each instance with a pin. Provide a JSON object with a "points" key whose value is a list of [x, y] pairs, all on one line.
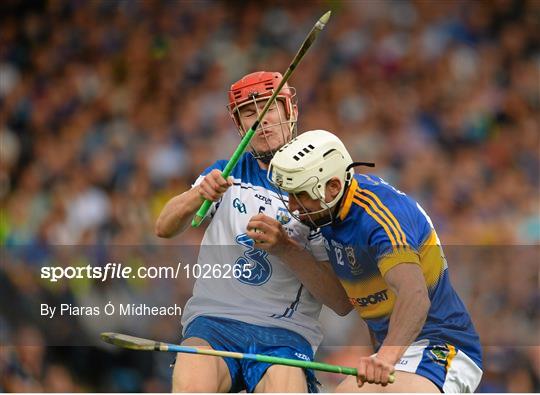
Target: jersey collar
{"points": [[345, 208]]}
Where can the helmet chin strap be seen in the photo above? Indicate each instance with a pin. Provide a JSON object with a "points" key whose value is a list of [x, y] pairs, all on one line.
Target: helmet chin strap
{"points": [[264, 157], [317, 223]]}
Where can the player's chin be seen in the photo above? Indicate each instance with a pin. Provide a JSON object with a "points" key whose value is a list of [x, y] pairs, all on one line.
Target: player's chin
{"points": [[270, 144], [303, 217], [315, 221], [306, 220]]}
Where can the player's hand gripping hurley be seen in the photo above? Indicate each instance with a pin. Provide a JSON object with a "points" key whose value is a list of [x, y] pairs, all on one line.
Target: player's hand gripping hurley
{"points": [[319, 26], [137, 343]]}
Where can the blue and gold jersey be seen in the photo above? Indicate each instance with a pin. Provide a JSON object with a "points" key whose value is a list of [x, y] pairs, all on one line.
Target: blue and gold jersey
{"points": [[378, 228]]}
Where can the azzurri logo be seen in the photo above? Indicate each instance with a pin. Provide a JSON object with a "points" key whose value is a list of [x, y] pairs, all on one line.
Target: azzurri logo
{"points": [[257, 261], [265, 199], [237, 204]]}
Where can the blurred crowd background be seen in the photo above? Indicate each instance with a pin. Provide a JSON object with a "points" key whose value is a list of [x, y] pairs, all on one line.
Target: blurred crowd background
{"points": [[109, 108]]}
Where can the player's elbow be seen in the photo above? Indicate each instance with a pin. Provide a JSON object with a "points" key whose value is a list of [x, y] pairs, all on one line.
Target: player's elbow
{"points": [[421, 298], [160, 233], [342, 308], [161, 230]]}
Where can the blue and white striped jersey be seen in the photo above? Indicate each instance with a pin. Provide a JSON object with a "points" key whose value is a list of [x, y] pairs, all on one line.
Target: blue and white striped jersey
{"points": [[266, 293]]}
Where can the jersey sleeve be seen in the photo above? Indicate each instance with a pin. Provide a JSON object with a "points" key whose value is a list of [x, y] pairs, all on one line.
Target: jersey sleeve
{"points": [[220, 165], [390, 227], [311, 240], [315, 245]]}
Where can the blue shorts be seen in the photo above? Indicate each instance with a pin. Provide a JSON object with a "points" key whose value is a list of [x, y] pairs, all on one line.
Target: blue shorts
{"points": [[231, 335]]}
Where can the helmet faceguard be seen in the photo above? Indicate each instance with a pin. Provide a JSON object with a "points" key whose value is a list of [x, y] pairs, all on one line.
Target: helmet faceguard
{"points": [[323, 216], [257, 87], [306, 164]]}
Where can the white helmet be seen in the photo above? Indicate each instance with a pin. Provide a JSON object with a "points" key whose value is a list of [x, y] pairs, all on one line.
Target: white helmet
{"points": [[308, 162]]}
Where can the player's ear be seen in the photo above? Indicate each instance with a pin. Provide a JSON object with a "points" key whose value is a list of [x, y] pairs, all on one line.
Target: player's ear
{"points": [[333, 187]]}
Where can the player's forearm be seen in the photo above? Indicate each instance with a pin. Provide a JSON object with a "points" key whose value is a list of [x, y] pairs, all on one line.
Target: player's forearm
{"points": [[178, 213], [406, 322], [318, 278]]}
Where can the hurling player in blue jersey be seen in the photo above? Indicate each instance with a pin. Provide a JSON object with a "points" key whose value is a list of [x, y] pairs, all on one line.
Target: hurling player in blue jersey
{"points": [[262, 306], [384, 248]]}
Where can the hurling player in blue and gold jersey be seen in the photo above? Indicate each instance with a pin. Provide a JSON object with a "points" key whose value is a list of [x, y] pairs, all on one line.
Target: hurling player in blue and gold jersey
{"points": [[386, 253]]}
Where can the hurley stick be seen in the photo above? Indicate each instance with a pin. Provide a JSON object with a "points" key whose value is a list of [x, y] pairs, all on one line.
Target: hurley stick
{"points": [[137, 343]]}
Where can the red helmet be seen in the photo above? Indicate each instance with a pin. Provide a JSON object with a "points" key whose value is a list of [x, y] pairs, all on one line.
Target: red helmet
{"points": [[259, 85]]}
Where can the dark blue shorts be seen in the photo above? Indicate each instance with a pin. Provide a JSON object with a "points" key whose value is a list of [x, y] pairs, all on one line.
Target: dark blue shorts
{"points": [[231, 335]]}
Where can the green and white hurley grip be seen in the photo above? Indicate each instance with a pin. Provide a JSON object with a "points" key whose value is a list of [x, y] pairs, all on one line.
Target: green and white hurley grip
{"points": [[319, 26]]}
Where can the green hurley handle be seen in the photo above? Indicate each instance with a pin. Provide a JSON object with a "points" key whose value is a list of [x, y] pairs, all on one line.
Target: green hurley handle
{"points": [[323, 367], [319, 26], [201, 213]]}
